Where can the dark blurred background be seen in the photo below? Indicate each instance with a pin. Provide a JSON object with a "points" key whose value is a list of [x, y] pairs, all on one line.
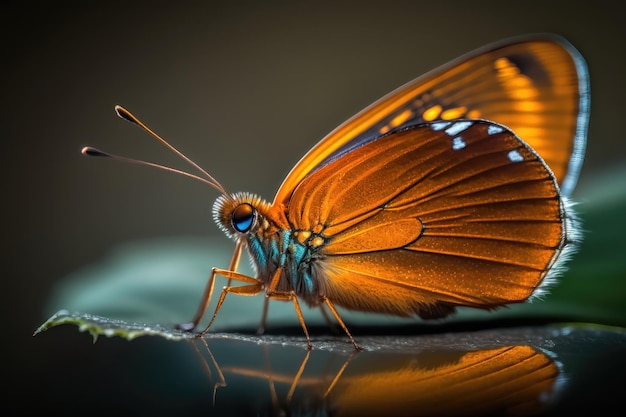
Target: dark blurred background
{"points": [[244, 89]]}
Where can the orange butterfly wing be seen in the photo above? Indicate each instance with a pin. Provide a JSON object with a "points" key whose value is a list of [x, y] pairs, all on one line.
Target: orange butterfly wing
{"points": [[536, 86], [431, 217]]}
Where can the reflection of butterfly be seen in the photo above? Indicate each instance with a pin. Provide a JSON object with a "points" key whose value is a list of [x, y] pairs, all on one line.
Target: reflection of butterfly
{"points": [[450, 191], [499, 380]]}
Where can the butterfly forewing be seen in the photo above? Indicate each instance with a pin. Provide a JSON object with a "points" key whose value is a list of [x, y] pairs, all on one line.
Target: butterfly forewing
{"points": [[538, 87], [429, 217]]}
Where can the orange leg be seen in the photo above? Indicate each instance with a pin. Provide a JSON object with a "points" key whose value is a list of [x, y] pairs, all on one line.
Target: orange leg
{"points": [[340, 321], [254, 288], [331, 325], [287, 296], [291, 296], [208, 291], [261, 329]]}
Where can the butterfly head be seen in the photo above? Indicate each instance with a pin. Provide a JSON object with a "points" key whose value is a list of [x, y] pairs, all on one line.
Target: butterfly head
{"points": [[240, 214]]}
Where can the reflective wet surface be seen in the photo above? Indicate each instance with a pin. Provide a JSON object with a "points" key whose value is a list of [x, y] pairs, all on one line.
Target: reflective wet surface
{"points": [[519, 370]]}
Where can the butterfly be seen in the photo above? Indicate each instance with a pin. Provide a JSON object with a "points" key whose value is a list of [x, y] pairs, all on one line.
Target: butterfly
{"points": [[451, 191]]}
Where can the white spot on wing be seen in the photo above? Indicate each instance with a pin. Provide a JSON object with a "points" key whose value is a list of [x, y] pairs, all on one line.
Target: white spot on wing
{"points": [[457, 128], [515, 156], [458, 143], [439, 125], [493, 129]]}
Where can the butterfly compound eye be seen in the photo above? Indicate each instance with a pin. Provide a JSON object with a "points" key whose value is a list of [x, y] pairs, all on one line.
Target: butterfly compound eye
{"points": [[243, 216]]}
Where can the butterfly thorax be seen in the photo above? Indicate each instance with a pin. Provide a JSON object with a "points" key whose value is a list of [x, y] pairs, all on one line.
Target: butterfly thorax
{"points": [[273, 243]]}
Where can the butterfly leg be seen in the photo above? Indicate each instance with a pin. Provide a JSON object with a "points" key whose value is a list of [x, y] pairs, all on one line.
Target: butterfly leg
{"points": [[333, 310], [255, 287], [291, 296], [266, 305], [331, 324], [287, 296], [208, 291]]}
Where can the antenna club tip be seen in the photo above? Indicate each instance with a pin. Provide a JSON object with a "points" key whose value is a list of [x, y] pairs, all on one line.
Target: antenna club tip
{"points": [[89, 151], [125, 114]]}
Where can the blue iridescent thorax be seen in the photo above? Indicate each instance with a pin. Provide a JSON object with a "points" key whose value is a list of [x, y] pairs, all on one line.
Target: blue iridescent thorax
{"points": [[273, 243], [288, 250]]}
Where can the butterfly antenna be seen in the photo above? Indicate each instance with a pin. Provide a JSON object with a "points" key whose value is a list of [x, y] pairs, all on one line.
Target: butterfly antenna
{"points": [[89, 151], [126, 115]]}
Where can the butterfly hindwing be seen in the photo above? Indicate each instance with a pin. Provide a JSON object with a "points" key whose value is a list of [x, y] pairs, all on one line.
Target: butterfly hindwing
{"points": [[433, 216]]}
